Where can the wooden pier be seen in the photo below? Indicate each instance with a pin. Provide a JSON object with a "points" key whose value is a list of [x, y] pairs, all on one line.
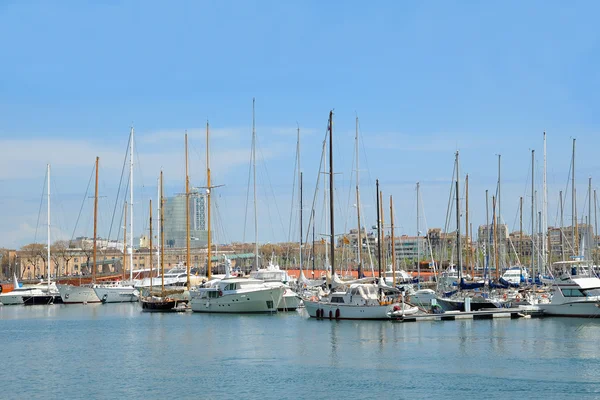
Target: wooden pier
{"points": [[512, 313]]}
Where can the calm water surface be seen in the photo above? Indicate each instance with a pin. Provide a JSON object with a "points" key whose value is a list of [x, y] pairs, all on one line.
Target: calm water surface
{"points": [[116, 351]]}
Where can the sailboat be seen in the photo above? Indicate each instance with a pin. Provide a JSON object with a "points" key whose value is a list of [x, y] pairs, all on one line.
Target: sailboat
{"points": [[47, 294], [162, 301], [122, 291], [353, 300], [84, 294]]}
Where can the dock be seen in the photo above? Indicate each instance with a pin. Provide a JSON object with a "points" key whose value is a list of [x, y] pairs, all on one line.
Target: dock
{"points": [[491, 313]]}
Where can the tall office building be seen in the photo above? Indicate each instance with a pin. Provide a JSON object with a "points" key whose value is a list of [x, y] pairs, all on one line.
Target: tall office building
{"points": [[175, 223]]}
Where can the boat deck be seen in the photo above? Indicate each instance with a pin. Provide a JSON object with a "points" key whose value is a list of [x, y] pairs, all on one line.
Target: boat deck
{"points": [[512, 313]]}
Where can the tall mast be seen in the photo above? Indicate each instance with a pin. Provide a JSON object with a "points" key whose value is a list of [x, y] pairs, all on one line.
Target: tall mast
{"points": [[300, 194], [467, 219], [131, 206], [48, 249], [187, 215], [384, 252], [574, 205], [379, 244], [151, 250], [162, 237], [159, 207], [545, 237], [359, 243], [254, 182], [393, 243], [124, 239], [95, 223], [532, 211], [208, 190], [331, 203], [595, 240], [418, 239], [458, 244]]}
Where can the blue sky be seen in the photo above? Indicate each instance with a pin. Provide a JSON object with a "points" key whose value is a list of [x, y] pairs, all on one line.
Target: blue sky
{"points": [[425, 79]]}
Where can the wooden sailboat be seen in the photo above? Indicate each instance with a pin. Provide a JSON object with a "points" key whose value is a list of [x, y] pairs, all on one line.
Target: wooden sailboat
{"points": [[163, 301]]}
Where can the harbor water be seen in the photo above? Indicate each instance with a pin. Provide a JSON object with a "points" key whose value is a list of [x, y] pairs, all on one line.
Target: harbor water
{"points": [[117, 351]]}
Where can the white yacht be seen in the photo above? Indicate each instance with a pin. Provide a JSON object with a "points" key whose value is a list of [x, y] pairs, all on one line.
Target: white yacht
{"points": [[28, 294], [274, 276], [402, 277], [236, 295], [359, 301], [116, 292], [78, 294], [574, 297]]}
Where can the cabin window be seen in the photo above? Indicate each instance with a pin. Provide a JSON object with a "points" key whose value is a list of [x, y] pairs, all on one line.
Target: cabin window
{"points": [[213, 294], [572, 293], [337, 299], [592, 292]]}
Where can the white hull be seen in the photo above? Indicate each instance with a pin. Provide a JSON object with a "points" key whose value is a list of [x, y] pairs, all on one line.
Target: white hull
{"points": [[257, 301], [348, 311], [573, 309], [8, 299], [117, 294], [77, 294]]}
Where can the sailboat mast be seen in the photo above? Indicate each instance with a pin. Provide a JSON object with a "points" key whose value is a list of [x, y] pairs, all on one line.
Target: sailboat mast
{"points": [[545, 237], [384, 252], [379, 244], [48, 249], [124, 239], [393, 242], [208, 190], [95, 224], [131, 206], [418, 239], [159, 206], [162, 236], [458, 243], [187, 215], [254, 183], [574, 205], [532, 211], [151, 250], [331, 203], [594, 241], [359, 241]]}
